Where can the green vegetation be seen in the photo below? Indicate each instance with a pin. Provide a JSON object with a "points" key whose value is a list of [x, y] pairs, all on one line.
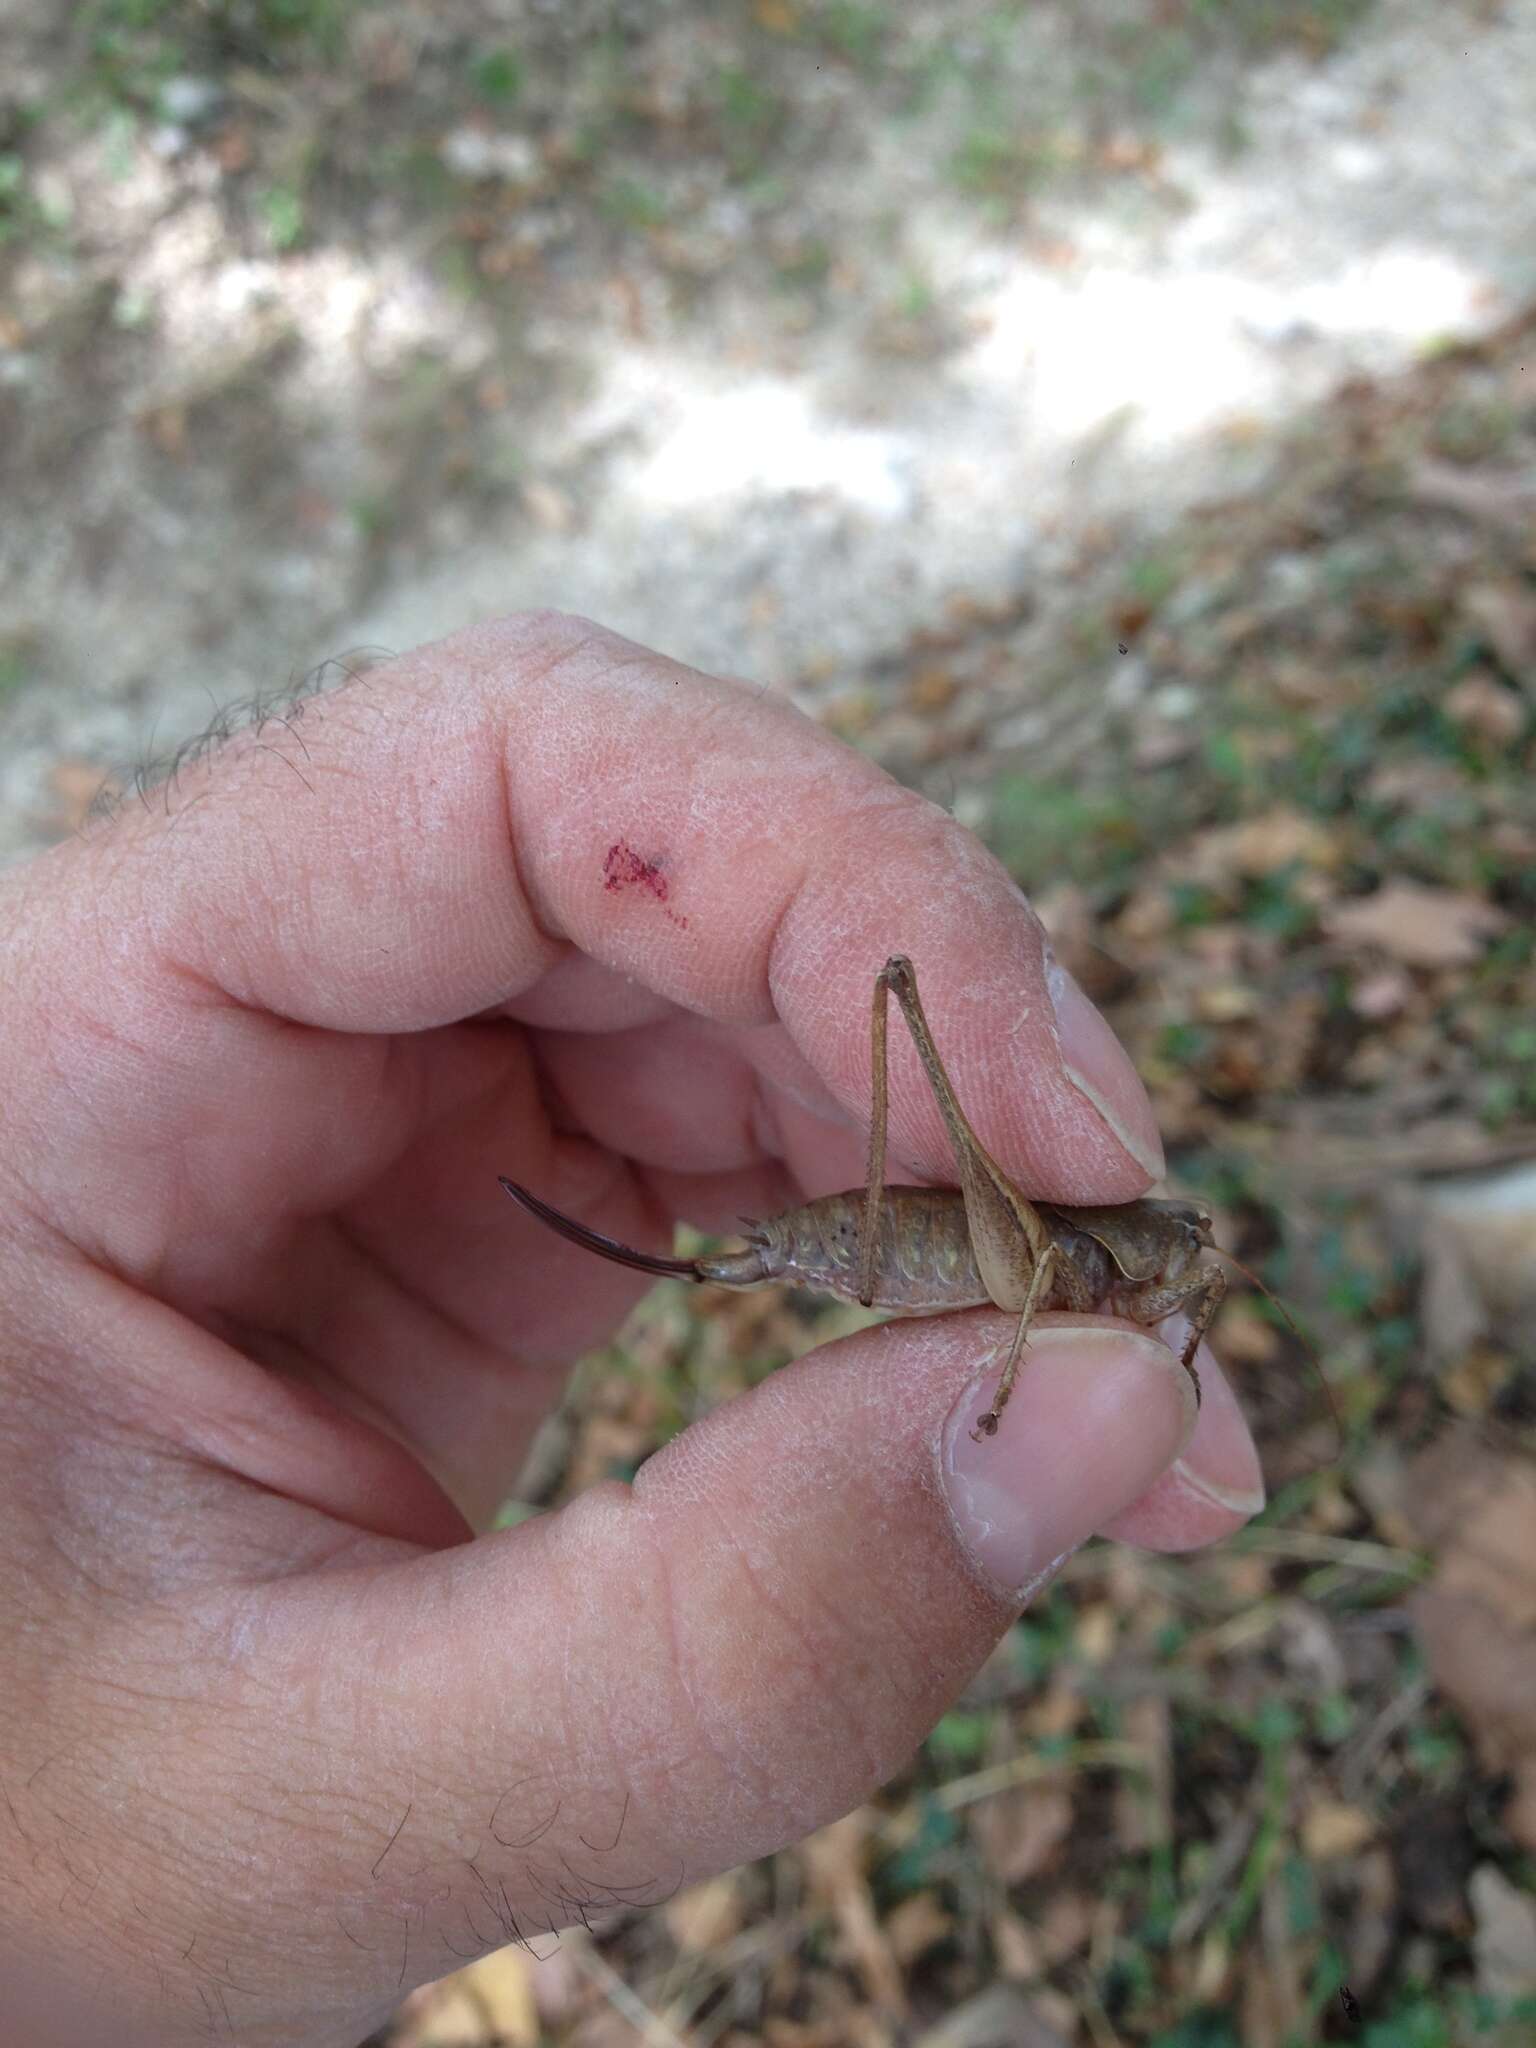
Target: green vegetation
{"points": [[1012, 102], [497, 76]]}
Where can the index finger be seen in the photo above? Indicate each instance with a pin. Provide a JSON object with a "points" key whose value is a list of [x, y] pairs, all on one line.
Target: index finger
{"points": [[433, 838]]}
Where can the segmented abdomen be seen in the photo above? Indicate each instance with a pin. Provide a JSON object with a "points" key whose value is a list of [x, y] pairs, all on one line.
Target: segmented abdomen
{"points": [[924, 1264]]}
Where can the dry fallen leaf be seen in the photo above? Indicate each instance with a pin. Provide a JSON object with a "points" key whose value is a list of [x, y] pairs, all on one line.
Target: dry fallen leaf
{"points": [[916, 1925], [1452, 1311], [1244, 1336], [1159, 745], [1504, 1936], [501, 1984], [1213, 1973], [444, 2016], [1489, 1555], [1147, 917], [1490, 1222], [1225, 1002], [1505, 499], [932, 687], [1002, 2016], [1065, 1925], [1477, 1379], [705, 1914], [1477, 1617], [1015, 1948], [1419, 926], [1418, 781], [835, 1859], [1332, 1828], [1260, 845], [1069, 919], [1094, 1632], [1505, 615], [1367, 1935], [1018, 1833], [1482, 705], [1381, 994]]}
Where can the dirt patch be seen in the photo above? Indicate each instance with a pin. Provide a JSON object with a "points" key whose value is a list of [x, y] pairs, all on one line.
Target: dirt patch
{"points": [[760, 333]]}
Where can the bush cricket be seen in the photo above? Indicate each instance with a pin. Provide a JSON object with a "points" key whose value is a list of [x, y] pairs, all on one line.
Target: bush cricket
{"points": [[926, 1251]]}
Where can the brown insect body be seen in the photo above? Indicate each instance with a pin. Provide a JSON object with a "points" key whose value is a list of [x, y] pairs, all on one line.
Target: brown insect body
{"points": [[926, 1264], [927, 1251]]}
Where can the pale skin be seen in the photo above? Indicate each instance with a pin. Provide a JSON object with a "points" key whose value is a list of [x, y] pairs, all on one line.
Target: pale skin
{"points": [[278, 1739]]}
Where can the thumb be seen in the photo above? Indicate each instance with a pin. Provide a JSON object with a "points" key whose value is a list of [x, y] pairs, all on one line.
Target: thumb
{"points": [[663, 1680]]}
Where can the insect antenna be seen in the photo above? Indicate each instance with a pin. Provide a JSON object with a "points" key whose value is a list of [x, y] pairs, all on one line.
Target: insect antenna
{"points": [[592, 1240], [1304, 1341]]}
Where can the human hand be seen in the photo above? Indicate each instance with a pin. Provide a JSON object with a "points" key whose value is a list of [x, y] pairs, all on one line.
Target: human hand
{"points": [[277, 1739]]}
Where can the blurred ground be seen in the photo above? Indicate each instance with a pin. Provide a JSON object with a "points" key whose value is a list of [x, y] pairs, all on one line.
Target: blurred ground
{"points": [[756, 331], [966, 371], [1190, 1800]]}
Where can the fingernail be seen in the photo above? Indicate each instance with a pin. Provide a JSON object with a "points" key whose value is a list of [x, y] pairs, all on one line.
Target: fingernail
{"points": [[1099, 1067], [1095, 1417], [1220, 1460]]}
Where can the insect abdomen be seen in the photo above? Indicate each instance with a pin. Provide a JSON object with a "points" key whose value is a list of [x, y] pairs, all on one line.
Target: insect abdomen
{"points": [[925, 1263]]}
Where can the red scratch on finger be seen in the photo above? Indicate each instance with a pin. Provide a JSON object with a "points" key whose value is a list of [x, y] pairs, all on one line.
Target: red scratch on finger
{"points": [[623, 868]]}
